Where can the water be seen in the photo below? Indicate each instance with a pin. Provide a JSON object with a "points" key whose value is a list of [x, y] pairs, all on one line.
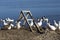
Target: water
{"points": [[38, 8]]}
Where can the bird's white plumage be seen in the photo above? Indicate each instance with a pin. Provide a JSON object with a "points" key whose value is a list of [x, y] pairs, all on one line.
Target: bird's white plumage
{"points": [[9, 20], [9, 27], [4, 22], [55, 23], [51, 27], [40, 22], [18, 25], [45, 19], [12, 25]]}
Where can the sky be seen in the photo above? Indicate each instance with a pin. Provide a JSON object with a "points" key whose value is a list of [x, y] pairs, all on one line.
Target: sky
{"points": [[12, 8]]}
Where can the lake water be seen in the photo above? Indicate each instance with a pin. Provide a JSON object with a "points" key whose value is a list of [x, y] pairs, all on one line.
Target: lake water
{"points": [[38, 8]]}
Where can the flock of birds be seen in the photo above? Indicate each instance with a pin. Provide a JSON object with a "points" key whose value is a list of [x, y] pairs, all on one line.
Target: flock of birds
{"points": [[52, 27], [18, 24], [9, 22]]}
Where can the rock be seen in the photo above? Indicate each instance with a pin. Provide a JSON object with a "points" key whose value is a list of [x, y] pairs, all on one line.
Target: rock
{"points": [[23, 34]]}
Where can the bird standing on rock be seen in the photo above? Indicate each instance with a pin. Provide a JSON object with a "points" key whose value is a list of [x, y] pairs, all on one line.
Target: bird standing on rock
{"points": [[40, 22], [51, 27], [18, 25], [4, 22], [10, 26]]}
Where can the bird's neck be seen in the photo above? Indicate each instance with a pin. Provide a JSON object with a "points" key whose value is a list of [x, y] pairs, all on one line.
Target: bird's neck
{"points": [[48, 24], [41, 20], [4, 21]]}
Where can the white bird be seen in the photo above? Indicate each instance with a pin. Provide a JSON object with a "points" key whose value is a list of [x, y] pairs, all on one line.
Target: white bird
{"points": [[45, 19], [9, 20], [51, 27], [40, 22], [18, 25], [55, 23], [10, 26], [4, 22]]}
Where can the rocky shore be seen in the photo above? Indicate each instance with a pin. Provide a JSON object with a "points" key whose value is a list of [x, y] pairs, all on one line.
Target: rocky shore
{"points": [[23, 34]]}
